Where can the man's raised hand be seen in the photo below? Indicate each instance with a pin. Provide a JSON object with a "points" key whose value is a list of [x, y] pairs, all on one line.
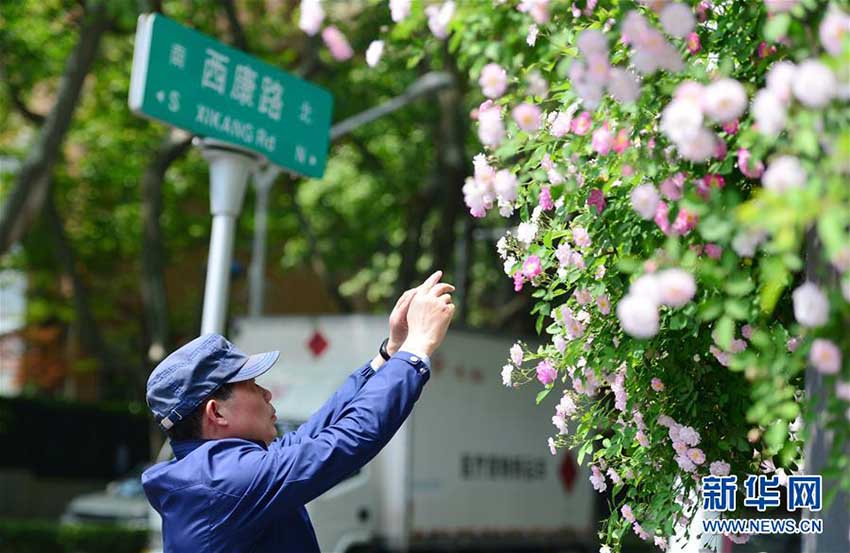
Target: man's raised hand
{"points": [[428, 315]]}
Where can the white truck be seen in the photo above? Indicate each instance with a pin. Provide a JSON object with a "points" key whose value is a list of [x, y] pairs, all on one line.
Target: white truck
{"points": [[470, 468]]}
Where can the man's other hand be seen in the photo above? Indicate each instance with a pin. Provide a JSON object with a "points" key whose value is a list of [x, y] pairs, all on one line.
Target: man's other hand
{"points": [[398, 317], [429, 313]]}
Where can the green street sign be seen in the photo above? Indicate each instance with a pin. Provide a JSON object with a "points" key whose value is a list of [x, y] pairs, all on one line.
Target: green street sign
{"points": [[191, 81]]}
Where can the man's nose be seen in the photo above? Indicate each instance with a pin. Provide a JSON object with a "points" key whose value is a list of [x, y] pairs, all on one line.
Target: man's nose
{"points": [[266, 394]]}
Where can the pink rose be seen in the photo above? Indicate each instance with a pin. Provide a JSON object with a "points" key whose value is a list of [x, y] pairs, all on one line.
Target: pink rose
{"points": [[597, 200], [527, 117], [621, 142], [581, 124], [685, 222], [546, 373], [337, 43], [531, 266], [750, 169], [693, 43], [545, 199], [602, 140]]}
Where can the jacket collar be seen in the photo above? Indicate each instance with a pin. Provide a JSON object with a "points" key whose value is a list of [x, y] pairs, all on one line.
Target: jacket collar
{"points": [[183, 448]]}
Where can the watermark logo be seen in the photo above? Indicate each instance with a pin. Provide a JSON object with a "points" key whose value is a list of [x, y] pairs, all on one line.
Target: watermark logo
{"points": [[804, 492], [762, 492], [718, 493]]}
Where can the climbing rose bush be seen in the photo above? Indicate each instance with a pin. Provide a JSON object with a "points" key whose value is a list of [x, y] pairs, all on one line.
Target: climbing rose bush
{"points": [[677, 176]]}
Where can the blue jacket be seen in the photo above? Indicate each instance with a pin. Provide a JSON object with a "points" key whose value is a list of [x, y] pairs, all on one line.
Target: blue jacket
{"points": [[235, 495]]}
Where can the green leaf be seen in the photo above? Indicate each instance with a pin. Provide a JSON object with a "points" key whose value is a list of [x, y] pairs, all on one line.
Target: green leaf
{"points": [[740, 286], [725, 330], [788, 410], [776, 434], [777, 27], [737, 309], [831, 229], [678, 321], [585, 449], [806, 141], [541, 395], [775, 277], [710, 310]]}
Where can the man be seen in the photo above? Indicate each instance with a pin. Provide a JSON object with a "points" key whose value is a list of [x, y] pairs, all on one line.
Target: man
{"points": [[234, 487]]}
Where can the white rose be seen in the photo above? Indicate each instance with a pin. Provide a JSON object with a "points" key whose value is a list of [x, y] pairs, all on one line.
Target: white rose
{"points": [[507, 370], [745, 243], [399, 9], [312, 16], [834, 27], [374, 52], [700, 147], [677, 287], [677, 19], [623, 85], [502, 247], [814, 84], [776, 6], [592, 42], [638, 316], [561, 124], [769, 112], [647, 286], [439, 18], [526, 232], [724, 100], [680, 121], [811, 307], [645, 200], [505, 185], [784, 173], [779, 79]]}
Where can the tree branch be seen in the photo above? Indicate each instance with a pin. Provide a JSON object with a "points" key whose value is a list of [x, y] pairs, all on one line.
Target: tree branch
{"points": [[17, 99], [237, 33], [30, 189]]}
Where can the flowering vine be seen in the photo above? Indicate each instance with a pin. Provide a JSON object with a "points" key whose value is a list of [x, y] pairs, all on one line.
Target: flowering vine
{"points": [[677, 173]]}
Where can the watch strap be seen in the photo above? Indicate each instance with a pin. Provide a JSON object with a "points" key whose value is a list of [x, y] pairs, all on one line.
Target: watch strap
{"points": [[383, 349]]}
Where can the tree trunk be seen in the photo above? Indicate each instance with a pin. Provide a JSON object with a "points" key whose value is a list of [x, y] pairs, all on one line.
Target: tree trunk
{"points": [[29, 192], [452, 165], [84, 321], [155, 299]]}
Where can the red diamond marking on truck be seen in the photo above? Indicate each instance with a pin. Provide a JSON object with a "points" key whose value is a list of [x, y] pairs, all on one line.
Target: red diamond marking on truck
{"points": [[317, 344], [438, 363], [569, 471]]}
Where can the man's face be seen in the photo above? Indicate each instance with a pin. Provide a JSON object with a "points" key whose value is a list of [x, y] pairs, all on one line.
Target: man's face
{"points": [[249, 413]]}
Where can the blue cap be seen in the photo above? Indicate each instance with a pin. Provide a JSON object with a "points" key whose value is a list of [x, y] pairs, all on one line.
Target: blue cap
{"points": [[184, 379]]}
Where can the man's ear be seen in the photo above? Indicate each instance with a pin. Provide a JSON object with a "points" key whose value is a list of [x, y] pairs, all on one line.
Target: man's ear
{"points": [[214, 415]]}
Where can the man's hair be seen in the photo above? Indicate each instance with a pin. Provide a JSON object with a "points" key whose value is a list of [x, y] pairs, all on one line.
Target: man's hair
{"points": [[191, 427]]}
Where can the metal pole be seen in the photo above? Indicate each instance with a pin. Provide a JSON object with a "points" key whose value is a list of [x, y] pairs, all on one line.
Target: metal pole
{"points": [[229, 170], [819, 444], [262, 181]]}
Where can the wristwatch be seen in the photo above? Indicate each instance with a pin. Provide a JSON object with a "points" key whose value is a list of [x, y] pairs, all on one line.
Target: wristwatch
{"points": [[383, 349]]}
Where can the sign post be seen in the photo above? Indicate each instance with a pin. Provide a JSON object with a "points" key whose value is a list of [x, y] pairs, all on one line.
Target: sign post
{"points": [[244, 109]]}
